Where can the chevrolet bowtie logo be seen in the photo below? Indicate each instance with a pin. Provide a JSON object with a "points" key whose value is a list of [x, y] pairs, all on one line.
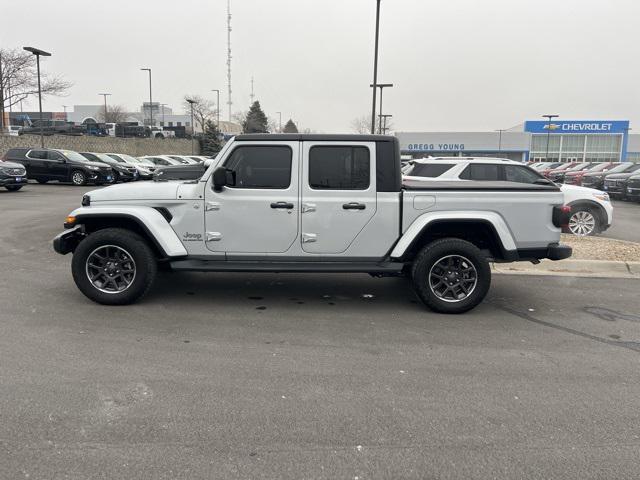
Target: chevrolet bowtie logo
{"points": [[552, 126]]}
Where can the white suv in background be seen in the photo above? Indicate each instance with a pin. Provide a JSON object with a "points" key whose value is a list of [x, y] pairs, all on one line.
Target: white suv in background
{"points": [[591, 210]]}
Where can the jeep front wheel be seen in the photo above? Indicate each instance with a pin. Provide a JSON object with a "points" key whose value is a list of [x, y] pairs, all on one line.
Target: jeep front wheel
{"points": [[451, 275], [114, 266]]}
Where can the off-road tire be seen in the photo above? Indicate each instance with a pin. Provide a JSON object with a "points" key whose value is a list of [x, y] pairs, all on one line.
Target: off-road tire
{"points": [[145, 265], [432, 254]]}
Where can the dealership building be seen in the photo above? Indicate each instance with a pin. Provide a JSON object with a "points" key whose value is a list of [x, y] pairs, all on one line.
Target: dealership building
{"points": [[564, 140]]}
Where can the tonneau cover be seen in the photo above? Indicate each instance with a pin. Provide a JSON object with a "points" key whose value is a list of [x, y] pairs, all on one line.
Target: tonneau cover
{"points": [[477, 186]]}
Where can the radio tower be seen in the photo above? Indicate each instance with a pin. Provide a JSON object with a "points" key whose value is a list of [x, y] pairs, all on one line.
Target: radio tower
{"points": [[252, 94], [229, 102]]}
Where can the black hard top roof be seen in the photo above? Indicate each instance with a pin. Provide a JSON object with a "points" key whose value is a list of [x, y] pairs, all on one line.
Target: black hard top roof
{"points": [[313, 137]]}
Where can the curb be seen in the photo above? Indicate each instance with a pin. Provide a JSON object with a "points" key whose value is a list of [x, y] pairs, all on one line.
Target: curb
{"points": [[572, 268]]}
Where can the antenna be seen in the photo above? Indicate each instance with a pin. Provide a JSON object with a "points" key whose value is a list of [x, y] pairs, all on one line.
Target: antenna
{"points": [[252, 94], [229, 102]]}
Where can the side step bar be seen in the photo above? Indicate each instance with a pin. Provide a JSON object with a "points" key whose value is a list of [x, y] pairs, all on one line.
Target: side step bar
{"points": [[276, 267]]}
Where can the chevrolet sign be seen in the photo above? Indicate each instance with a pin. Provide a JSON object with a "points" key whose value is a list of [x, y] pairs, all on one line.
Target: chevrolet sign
{"points": [[577, 126]]}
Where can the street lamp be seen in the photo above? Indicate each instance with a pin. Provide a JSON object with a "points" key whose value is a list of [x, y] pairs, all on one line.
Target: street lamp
{"points": [[37, 52], [191, 102], [217, 107], [150, 97], [381, 86], [500, 130], [280, 121], [375, 69], [384, 128], [549, 118], [105, 95]]}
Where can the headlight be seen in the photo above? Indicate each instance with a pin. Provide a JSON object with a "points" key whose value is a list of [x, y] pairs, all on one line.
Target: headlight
{"points": [[143, 170], [602, 196], [91, 167]]}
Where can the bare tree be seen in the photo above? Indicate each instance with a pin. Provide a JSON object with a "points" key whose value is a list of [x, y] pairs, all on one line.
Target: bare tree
{"points": [[203, 110], [362, 124], [19, 80], [115, 114]]}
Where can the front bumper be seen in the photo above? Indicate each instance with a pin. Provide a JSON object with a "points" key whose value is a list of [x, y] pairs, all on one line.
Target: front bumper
{"points": [[68, 240], [11, 180], [99, 177], [633, 192]]}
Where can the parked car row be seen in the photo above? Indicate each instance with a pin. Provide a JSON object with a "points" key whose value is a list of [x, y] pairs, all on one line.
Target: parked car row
{"points": [[621, 180], [80, 168]]}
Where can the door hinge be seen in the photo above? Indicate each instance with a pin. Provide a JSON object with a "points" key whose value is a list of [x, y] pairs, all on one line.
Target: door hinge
{"points": [[309, 237], [308, 207], [212, 206], [214, 236]]}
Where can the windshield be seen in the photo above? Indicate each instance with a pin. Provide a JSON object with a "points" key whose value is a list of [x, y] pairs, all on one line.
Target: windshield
{"points": [[620, 168], [74, 156], [599, 168], [103, 157]]}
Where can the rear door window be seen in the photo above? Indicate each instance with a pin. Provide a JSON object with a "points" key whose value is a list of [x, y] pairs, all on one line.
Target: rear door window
{"points": [[481, 172], [37, 154], [430, 170], [339, 168]]}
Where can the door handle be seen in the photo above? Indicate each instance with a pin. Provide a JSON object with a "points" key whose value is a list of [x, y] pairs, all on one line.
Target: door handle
{"points": [[286, 205], [354, 206]]}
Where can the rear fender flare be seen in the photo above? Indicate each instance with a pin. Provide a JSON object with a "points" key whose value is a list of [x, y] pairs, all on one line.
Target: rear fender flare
{"points": [[427, 219]]}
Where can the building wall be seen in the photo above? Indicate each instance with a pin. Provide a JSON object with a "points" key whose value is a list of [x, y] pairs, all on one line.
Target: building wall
{"points": [[132, 146]]}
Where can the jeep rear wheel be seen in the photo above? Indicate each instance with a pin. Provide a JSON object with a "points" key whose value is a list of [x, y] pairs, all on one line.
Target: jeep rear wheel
{"points": [[451, 275], [114, 266]]}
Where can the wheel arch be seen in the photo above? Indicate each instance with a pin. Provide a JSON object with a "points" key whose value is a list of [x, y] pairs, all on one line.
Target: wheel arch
{"points": [[592, 206], [150, 224], [487, 231]]}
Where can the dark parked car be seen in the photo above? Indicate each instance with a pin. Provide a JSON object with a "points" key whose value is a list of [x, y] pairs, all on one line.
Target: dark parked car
{"points": [[615, 184], [596, 179], [122, 172], [633, 188], [575, 178], [13, 176], [45, 164]]}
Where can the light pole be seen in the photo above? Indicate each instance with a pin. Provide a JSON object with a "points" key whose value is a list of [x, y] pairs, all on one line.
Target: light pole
{"points": [[217, 107], [384, 128], [162, 105], [500, 130], [150, 98], [105, 95], [193, 129], [37, 52], [380, 86], [280, 121], [375, 69], [549, 118]]}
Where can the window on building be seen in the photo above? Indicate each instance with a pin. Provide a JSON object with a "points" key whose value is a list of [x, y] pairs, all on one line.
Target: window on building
{"points": [[187, 124], [481, 172], [339, 168], [431, 170], [171, 124], [179, 124], [162, 124], [261, 166]]}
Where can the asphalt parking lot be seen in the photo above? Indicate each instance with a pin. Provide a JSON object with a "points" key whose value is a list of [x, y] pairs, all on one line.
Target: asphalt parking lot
{"points": [[626, 221], [305, 376]]}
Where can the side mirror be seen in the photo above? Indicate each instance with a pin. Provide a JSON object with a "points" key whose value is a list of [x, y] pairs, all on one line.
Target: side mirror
{"points": [[219, 178], [543, 181]]}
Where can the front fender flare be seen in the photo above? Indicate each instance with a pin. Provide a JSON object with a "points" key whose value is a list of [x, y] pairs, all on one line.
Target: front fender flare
{"points": [[148, 218], [424, 220]]}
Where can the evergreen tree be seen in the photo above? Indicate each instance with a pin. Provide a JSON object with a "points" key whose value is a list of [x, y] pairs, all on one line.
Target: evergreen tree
{"points": [[255, 121], [290, 127], [211, 140]]}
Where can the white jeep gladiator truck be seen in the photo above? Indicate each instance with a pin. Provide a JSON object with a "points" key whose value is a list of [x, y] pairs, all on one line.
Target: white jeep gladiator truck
{"points": [[312, 203]]}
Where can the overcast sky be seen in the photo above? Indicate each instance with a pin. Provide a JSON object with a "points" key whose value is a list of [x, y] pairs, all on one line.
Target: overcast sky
{"points": [[456, 64]]}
